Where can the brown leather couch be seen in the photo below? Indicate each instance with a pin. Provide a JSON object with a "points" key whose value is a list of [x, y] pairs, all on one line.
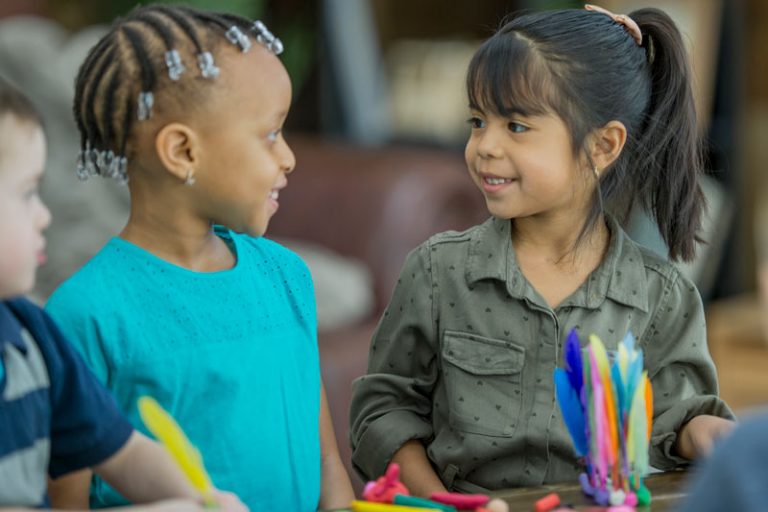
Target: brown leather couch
{"points": [[374, 205]]}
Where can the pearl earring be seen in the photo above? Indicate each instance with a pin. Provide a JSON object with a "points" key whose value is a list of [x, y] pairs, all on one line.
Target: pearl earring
{"points": [[190, 178]]}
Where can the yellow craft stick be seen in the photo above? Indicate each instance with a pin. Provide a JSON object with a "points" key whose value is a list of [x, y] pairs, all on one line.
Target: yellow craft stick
{"points": [[168, 432], [369, 506]]}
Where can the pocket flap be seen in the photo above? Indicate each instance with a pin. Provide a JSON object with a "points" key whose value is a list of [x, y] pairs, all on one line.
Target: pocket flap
{"points": [[482, 356]]}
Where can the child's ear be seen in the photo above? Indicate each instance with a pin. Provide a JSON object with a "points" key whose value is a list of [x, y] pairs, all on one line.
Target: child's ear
{"points": [[606, 144], [177, 147]]}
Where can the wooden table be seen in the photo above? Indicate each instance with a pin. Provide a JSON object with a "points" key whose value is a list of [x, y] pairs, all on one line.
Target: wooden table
{"points": [[666, 490]]}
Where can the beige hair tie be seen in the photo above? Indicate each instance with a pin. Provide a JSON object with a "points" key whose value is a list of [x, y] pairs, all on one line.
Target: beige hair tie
{"points": [[622, 19]]}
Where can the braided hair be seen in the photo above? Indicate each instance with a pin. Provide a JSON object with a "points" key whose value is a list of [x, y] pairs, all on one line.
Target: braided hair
{"points": [[142, 56]]}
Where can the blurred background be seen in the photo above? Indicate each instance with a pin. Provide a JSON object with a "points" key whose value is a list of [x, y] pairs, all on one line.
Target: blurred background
{"points": [[378, 127]]}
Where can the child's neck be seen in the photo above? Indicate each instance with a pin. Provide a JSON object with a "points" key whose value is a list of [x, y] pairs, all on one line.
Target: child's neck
{"points": [[192, 246], [550, 259]]}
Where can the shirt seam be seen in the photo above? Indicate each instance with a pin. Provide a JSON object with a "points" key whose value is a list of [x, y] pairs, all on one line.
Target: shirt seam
{"points": [[433, 292], [656, 317]]}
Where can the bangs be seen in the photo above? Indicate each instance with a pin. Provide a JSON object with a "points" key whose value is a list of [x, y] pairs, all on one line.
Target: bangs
{"points": [[507, 76]]}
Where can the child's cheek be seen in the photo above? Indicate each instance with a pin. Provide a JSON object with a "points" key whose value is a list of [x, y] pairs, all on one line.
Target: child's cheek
{"points": [[18, 264]]}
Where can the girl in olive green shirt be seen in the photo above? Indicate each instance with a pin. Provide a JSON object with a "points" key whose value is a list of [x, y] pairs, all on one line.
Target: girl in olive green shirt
{"points": [[574, 114]]}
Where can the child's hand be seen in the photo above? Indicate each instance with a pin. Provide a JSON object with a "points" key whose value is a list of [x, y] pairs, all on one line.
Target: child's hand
{"points": [[697, 436], [177, 505], [229, 502], [225, 501]]}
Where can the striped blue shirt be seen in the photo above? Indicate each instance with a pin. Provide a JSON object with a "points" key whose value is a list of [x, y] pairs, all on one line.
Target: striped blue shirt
{"points": [[55, 417]]}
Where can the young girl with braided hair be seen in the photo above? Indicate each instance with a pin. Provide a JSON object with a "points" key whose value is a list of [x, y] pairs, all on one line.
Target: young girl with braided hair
{"points": [[49, 401], [575, 116], [190, 304]]}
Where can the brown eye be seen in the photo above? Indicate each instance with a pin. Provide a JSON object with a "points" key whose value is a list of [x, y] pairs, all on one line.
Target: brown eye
{"points": [[476, 122]]}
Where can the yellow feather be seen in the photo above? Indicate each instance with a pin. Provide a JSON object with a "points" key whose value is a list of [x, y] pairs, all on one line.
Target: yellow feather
{"points": [[623, 361], [168, 432], [603, 365]]}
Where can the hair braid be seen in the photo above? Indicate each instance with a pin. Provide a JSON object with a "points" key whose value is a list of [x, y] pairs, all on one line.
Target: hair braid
{"points": [[108, 101]]}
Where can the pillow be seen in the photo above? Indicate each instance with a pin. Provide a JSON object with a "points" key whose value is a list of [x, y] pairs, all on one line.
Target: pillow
{"points": [[343, 286]]}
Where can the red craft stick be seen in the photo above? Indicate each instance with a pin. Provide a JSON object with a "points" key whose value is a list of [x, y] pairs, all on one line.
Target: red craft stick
{"points": [[547, 503], [460, 501]]}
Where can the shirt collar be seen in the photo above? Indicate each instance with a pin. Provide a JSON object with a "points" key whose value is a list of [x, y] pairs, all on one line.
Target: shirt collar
{"points": [[10, 329], [490, 251], [620, 277]]}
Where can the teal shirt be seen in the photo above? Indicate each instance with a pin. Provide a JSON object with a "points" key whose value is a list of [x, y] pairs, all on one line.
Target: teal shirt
{"points": [[232, 355]]}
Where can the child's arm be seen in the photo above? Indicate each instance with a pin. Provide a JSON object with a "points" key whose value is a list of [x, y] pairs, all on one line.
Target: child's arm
{"points": [[144, 472], [416, 471], [688, 414], [336, 489], [161, 506], [391, 410], [70, 492]]}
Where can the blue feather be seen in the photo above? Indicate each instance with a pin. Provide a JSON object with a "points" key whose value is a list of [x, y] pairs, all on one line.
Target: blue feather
{"points": [[634, 373], [573, 362], [573, 413], [629, 341]]}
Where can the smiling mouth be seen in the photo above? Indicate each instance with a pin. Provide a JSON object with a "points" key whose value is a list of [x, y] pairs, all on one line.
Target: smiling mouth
{"points": [[497, 181], [274, 195]]}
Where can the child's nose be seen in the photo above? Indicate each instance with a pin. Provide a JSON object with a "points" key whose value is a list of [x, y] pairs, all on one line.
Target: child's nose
{"points": [[489, 145], [287, 159], [43, 217]]}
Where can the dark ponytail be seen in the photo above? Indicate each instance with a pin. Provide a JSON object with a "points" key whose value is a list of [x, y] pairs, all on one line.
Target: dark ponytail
{"points": [[668, 150], [588, 70]]}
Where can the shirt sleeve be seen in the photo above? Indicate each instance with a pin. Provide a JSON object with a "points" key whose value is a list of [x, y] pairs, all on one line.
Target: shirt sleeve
{"points": [[70, 314], [683, 376], [392, 403], [86, 424]]}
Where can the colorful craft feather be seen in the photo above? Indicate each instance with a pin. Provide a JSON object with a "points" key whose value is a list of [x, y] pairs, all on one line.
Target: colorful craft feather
{"points": [[573, 415], [573, 362], [607, 406], [168, 432]]}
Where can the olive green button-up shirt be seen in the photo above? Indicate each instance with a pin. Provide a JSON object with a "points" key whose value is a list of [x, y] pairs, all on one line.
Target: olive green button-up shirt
{"points": [[463, 359]]}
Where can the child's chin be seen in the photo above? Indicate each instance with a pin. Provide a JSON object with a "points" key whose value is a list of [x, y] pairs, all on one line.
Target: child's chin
{"points": [[16, 288], [255, 231], [500, 213]]}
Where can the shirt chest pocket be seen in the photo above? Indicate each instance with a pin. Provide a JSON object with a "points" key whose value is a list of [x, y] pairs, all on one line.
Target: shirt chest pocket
{"points": [[483, 378]]}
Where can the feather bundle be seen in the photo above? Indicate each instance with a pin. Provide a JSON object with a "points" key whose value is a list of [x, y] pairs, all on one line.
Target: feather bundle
{"points": [[607, 405]]}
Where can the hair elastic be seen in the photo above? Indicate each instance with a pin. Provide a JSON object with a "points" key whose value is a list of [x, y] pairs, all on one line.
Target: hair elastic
{"points": [[236, 36], [175, 66], [94, 162], [622, 19], [207, 68], [266, 38]]}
